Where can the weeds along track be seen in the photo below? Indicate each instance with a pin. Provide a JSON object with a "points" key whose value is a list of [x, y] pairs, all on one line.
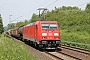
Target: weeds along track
{"points": [[77, 53]]}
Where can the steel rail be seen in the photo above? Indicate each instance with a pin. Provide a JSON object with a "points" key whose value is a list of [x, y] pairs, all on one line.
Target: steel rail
{"points": [[77, 49], [68, 55], [53, 55]]}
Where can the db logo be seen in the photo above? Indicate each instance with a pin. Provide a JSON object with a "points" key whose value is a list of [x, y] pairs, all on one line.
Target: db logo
{"points": [[50, 34]]}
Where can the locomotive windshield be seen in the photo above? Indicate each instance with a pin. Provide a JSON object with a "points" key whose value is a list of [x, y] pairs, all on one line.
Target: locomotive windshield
{"points": [[49, 26]]}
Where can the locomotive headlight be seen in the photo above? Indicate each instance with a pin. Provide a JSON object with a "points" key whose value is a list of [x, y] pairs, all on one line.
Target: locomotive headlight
{"points": [[56, 34], [44, 34]]}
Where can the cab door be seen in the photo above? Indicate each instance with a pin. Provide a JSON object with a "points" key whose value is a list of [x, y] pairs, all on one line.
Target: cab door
{"points": [[36, 33]]}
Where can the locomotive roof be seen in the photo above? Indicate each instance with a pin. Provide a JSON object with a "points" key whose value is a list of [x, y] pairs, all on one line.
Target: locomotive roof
{"points": [[40, 22], [48, 21], [30, 24]]}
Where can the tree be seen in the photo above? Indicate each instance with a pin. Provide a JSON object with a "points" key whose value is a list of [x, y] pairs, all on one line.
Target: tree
{"points": [[18, 24], [88, 8], [1, 25], [11, 26], [26, 22], [34, 18]]}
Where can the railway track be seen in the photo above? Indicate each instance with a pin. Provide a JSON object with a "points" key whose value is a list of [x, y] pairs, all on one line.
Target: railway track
{"points": [[56, 57], [69, 55], [61, 56], [77, 53], [77, 49]]}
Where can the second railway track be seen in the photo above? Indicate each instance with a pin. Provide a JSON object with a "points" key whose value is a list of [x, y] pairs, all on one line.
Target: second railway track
{"points": [[75, 53], [77, 50]]}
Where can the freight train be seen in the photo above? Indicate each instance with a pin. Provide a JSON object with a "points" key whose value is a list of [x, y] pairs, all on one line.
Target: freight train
{"points": [[42, 34]]}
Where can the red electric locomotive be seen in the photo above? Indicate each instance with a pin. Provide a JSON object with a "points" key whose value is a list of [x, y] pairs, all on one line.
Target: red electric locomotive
{"points": [[43, 34]]}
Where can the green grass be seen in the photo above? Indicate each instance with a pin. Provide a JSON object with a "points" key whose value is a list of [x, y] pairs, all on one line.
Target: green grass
{"points": [[78, 37], [12, 50]]}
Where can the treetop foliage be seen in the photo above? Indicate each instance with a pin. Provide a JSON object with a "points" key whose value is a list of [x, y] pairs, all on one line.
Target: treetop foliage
{"points": [[1, 25], [69, 18]]}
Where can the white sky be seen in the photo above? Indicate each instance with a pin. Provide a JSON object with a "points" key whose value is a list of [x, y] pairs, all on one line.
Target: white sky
{"points": [[26, 8]]}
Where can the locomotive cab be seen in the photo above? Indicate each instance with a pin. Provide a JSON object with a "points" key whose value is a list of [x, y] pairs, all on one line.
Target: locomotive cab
{"points": [[50, 35]]}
